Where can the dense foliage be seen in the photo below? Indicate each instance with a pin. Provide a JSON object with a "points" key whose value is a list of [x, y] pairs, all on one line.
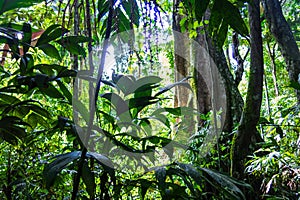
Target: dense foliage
{"points": [[74, 127]]}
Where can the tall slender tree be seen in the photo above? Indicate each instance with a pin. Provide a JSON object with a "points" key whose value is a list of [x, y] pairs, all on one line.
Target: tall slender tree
{"points": [[284, 36], [247, 133]]}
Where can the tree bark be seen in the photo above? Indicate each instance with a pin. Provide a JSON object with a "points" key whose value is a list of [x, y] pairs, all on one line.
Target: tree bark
{"points": [[247, 133], [181, 58], [204, 104], [234, 100], [285, 39]]}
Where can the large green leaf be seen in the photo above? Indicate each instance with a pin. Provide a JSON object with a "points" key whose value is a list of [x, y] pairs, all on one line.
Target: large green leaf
{"points": [[33, 119], [103, 160], [200, 7], [61, 161], [66, 73], [81, 108], [192, 172], [11, 130], [72, 44], [215, 19], [51, 33], [179, 172], [50, 50], [27, 105], [222, 33], [144, 86], [132, 10], [139, 103], [77, 39], [117, 102], [147, 80], [8, 98], [13, 43], [223, 14], [51, 91], [49, 69], [65, 91], [39, 110], [26, 63], [6, 5], [175, 111], [124, 83], [160, 117], [102, 8], [122, 23], [232, 16]]}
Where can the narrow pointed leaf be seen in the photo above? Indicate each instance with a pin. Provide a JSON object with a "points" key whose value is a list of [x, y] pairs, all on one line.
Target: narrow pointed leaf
{"points": [[62, 161], [88, 178], [169, 87]]}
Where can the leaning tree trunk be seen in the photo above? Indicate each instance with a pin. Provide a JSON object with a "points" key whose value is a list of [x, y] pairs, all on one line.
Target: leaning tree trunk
{"points": [[284, 36], [247, 133]]}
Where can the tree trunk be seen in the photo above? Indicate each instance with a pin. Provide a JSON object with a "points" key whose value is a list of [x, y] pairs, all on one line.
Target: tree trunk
{"points": [[234, 100], [247, 133], [284, 37], [204, 104], [181, 58]]}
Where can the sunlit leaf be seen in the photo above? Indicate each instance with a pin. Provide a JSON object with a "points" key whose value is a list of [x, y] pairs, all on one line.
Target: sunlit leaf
{"points": [[124, 83], [50, 34], [50, 50], [6, 5], [122, 23], [65, 91], [80, 107]]}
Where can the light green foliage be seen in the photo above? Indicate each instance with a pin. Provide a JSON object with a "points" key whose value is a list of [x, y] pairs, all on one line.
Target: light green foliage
{"points": [[277, 161]]}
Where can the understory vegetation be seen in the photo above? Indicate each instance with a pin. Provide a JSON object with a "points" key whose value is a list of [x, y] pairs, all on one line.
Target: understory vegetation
{"points": [[149, 99]]}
